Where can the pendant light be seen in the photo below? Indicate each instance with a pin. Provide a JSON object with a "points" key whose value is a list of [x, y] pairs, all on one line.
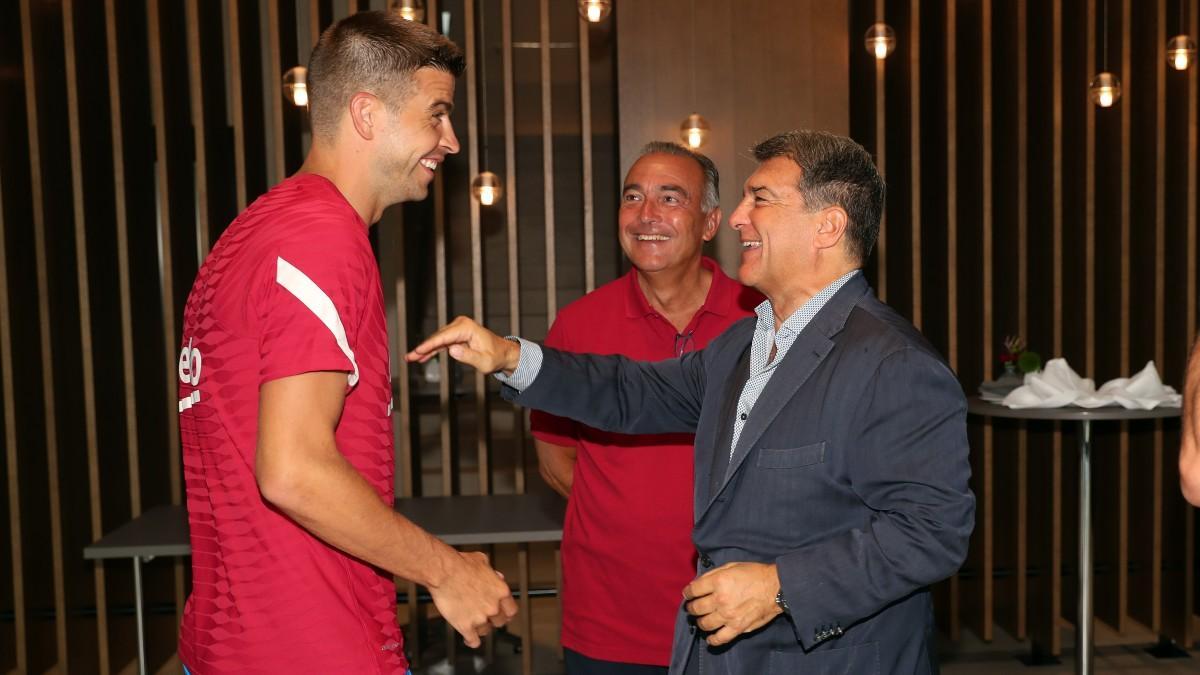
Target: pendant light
{"points": [[694, 130], [411, 10], [1181, 48], [487, 188], [595, 11], [295, 86], [880, 40], [1105, 88]]}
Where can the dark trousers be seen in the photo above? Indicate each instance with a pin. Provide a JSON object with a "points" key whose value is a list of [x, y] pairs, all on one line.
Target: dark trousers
{"points": [[578, 664]]}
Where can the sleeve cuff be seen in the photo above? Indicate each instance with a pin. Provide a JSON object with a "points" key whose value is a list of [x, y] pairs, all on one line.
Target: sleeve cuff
{"points": [[528, 365]]}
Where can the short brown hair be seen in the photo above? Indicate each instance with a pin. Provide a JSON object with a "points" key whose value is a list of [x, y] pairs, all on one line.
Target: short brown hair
{"points": [[834, 170], [376, 52]]}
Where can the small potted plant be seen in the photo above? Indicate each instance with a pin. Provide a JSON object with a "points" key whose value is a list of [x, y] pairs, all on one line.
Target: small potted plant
{"points": [[1017, 362], [1016, 358]]}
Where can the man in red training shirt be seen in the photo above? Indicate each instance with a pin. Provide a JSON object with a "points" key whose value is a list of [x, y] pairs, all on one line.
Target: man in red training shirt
{"points": [[629, 512], [285, 391]]}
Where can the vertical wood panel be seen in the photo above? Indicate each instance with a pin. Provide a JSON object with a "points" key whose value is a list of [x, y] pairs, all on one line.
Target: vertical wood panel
{"points": [[199, 135], [989, 498], [443, 310], [1190, 293], [10, 456], [914, 146], [274, 102], [1160, 228], [1089, 205], [585, 131], [237, 109], [511, 227], [881, 162], [314, 23], [128, 385], [1126, 215], [166, 271], [47, 354], [85, 330], [1056, 201], [952, 241], [548, 163], [1022, 280], [481, 404]]}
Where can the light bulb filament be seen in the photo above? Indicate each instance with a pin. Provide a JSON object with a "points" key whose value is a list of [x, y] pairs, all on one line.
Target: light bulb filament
{"points": [[300, 94], [487, 195]]}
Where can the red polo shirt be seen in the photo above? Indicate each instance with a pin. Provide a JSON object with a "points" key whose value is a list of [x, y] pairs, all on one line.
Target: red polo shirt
{"points": [[627, 550]]}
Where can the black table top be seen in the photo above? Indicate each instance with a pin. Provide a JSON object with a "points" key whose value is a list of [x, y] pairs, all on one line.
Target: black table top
{"points": [[459, 520]]}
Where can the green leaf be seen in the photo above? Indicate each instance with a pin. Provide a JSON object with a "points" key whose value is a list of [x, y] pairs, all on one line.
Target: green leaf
{"points": [[1029, 362]]}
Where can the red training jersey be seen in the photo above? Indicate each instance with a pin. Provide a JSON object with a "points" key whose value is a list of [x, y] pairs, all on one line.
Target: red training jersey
{"points": [[627, 551], [291, 287]]}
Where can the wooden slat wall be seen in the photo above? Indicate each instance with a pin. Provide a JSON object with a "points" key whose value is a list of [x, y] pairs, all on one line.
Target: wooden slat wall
{"points": [[176, 170], [1102, 219], [1079, 235]]}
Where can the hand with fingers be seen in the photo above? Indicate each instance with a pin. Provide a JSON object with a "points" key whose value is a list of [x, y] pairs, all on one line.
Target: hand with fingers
{"points": [[733, 599], [472, 344], [474, 598]]}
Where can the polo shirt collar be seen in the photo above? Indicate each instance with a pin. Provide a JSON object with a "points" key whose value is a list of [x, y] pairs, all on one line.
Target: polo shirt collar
{"points": [[722, 293]]}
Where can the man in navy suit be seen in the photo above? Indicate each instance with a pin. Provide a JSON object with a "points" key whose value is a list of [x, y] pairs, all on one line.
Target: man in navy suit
{"points": [[831, 446]]}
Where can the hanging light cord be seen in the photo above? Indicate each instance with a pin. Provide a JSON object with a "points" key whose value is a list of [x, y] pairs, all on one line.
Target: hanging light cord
{"points": [[483, 77], [1104, 37], [692, 65]]}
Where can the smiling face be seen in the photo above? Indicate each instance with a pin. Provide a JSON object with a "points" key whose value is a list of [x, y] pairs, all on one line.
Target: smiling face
{"points": [[661, 222], [416, 137], [777, 229]]}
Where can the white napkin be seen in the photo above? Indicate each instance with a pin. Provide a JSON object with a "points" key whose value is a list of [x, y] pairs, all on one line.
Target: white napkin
{"points": [[1058, 385]]}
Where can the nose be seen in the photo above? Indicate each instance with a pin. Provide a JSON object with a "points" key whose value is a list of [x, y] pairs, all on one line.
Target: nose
{"points": [[648, 213], [449, 140], [740, 216]]}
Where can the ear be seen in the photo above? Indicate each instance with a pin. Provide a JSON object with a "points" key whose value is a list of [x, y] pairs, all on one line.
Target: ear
{"points": [[712, 222], [365, 112], [831, 227]]}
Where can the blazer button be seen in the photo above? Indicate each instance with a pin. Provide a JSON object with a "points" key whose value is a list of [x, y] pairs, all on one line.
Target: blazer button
{"points": [[705, 561]]}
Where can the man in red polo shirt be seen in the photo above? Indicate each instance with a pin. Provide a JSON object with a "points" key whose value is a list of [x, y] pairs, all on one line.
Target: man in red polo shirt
{"points": [[629, 509]]}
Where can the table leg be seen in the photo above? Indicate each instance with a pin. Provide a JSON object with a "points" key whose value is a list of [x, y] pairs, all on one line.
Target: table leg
{"points": [[141, 620], [1083, 625]]}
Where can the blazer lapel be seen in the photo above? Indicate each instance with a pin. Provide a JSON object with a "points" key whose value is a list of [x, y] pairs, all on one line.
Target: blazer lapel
{"points": [[811, 347]]}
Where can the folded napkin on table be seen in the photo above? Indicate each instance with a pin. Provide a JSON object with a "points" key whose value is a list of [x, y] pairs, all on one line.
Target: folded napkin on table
{"points": [[1058, 385]]}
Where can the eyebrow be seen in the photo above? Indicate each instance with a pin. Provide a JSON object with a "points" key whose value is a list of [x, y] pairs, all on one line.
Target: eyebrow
{"points": [[662, 188], [448, 106]]}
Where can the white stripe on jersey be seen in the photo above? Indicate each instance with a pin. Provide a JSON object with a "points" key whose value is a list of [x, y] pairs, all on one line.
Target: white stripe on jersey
{"points": [[309, 293]]}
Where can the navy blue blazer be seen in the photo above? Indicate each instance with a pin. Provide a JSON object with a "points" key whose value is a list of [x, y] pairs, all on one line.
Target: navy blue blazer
{"points": [[850, 474]]}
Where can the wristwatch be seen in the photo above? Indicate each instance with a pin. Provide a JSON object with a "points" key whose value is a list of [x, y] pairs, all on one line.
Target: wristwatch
{"points": [[781, 602]]}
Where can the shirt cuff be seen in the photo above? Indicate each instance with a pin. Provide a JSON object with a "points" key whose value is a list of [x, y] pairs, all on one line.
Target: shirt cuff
{"points": [[529, 363]]}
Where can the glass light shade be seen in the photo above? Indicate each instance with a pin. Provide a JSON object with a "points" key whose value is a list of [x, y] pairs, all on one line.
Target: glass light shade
{"points": [[1105, 90], [1180, 51], [295, 86], [694, 130], [412, 10], [487, 188], [880, 40], [594, 10]]}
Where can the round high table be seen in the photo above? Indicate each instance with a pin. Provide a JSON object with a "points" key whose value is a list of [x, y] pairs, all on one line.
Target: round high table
{"points": [[1085, 417]]}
